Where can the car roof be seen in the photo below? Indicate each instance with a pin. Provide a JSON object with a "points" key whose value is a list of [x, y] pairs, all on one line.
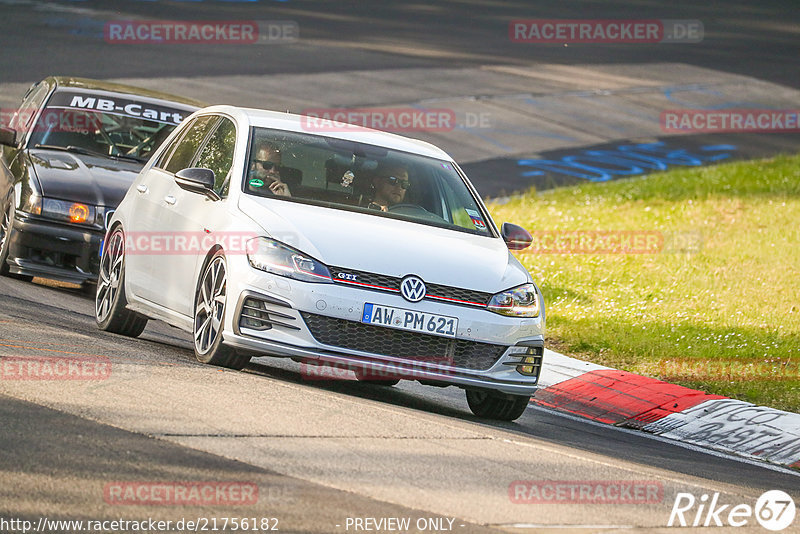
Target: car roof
{"points": [[299, 123], [99, 85]]}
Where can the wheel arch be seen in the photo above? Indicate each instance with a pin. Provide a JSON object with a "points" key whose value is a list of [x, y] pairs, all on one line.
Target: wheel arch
{"points": [[206, 260]]}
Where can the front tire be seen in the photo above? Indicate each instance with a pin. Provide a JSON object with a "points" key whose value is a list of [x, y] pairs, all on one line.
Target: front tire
{"points": [[495, 405], [110, 303], [209, 316], [6, 228]]}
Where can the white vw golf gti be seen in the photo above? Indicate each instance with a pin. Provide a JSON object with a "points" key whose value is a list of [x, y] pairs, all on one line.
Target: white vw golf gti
{"points": [[271, 234]]}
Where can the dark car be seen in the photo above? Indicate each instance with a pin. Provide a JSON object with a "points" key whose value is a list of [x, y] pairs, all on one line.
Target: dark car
{"points": [[69, 154]]}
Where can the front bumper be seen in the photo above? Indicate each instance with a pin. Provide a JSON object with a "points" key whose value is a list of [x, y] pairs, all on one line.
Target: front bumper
{"points": [[378, 365], [286, 307], [53, 250]]}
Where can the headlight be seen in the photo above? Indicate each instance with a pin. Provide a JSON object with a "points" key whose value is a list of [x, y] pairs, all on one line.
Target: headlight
{"points": [[73, 212], [60, 210], [522, 301], [276, 258]]}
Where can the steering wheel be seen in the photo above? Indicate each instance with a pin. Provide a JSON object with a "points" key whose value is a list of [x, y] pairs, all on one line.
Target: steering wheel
{"points": [[142, 144], [406, 207], [113, 148], [413, 210]]}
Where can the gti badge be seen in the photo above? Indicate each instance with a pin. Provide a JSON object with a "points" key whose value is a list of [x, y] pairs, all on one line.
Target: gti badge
{"points": [[412, 288], [347, 276]]}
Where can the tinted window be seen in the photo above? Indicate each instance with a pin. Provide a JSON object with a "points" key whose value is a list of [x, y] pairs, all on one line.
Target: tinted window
{"points": [[217, 154], [107, 123], [187, 145], [361, 177]]}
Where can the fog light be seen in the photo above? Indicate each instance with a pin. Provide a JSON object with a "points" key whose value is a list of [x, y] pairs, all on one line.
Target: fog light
{"points": [[532, 362]]}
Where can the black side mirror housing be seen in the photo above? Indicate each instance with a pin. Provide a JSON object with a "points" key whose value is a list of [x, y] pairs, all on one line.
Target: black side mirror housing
{"points": [[516, 237], [8, 136], [197, 180]]}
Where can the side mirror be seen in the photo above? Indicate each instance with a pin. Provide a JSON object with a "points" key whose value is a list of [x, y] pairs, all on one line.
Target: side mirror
{"points": [[8, 136], [516, 237], [197, 180]]}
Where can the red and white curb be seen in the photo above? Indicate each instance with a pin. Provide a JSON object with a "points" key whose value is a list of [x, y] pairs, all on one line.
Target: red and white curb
{"points": [[629, 400]]}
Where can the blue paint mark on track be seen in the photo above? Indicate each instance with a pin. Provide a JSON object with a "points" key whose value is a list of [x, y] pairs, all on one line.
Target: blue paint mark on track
{"points": [[624, 160]]}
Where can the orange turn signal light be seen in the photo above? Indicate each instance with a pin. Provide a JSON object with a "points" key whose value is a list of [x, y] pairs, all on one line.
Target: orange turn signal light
{"points": [[78, 213]]}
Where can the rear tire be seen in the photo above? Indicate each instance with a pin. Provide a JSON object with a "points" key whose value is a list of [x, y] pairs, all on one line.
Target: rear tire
{"points": [[110, 303], [495, 405], [209, 317]]}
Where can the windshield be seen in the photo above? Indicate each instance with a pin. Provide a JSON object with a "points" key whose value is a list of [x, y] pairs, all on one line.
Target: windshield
{"points": [[360, 177], [105, 123]]}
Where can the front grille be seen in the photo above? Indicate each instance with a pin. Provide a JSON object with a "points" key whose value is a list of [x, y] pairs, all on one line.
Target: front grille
{"points": [[439, 292], [391, 284], [363, 278], [353, 335]]}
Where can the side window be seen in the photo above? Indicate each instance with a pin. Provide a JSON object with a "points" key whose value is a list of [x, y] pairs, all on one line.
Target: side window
{"points": [[163, 158], [23, 118], [217, 154], [180, 155]]}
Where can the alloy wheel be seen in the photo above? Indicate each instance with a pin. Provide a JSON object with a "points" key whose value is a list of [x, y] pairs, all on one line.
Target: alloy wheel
{"points": [[210, 305], [108, 283]]}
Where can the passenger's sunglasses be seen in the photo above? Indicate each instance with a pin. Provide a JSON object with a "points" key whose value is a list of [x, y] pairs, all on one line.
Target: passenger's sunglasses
{"points": [[268, 165], [394, 180]]}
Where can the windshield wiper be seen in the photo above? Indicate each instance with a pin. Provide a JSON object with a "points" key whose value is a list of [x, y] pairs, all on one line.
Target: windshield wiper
{"points": [[87, 152]]}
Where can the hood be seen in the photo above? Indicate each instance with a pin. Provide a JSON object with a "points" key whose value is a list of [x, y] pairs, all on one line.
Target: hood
{"points": [[79, 178], [388, 246]]}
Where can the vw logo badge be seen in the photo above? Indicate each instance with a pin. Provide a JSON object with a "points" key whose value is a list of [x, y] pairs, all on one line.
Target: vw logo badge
{"points": [[412, 288]]}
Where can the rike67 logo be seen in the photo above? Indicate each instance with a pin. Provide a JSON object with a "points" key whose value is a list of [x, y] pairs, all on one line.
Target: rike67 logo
{"points": [[774, 510]]}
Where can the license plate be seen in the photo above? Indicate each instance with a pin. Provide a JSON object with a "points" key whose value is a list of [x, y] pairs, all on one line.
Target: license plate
{"points": [[100, 253], [415, 321]]}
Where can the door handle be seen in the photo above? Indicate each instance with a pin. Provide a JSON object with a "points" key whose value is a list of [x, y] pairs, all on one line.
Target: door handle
{"points": [[141, 188], [169, 199]]}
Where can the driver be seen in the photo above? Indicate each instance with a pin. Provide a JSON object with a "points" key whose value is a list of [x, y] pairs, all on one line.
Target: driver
{"points": [[389, 186], [265, 167]]}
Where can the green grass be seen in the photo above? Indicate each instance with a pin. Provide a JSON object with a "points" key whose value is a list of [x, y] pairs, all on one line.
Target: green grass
{"points": [[721, 314]]}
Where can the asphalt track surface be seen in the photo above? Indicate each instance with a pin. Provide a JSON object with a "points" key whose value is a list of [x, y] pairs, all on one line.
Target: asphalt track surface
{"points": [[321, 452], [755, 39]]}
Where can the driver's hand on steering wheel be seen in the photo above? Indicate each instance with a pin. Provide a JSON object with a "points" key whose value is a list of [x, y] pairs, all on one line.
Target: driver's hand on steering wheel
{"points": [[376, 206]]}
